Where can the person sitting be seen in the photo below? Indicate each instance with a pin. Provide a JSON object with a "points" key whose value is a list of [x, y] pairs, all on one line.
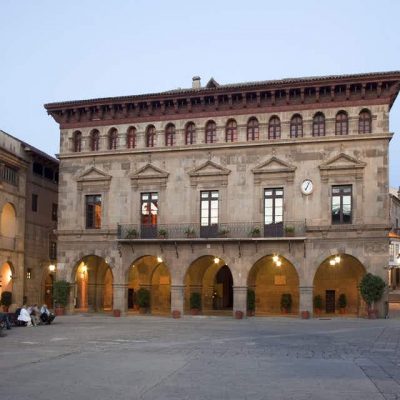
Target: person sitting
{"points": [[45, 315], [35, 315], [24, 316]]}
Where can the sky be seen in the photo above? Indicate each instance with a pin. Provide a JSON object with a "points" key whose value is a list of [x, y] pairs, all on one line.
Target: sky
{"points": [[78, 49]]}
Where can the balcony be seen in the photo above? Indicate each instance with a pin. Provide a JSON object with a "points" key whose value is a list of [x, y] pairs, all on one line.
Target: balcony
{"points": [[193, 231]]}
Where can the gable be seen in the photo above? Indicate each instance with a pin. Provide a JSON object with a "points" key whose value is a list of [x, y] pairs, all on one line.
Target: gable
{"points": [[94, 179], [342, 161], [273, 165], [150, 176], [209, 173]]}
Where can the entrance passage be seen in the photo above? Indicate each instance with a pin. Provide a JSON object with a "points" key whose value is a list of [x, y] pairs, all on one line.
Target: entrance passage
{"points": [[93, 285], [48, 290], [212, 279], [6, 284]]}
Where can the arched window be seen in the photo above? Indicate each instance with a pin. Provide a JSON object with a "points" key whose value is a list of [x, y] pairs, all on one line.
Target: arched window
{"points": [[231, 131], [77, 141], [318, 125], [94, 140], [342, 123], [364, 121], [274, 128], [211, 132], [131, 138], [150, 136], [170, 135], [8, 221], [190, 132], [252, 129], [296, 126], [112, 139]]}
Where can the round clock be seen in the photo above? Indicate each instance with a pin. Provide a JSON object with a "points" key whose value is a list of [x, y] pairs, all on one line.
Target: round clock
{"points": [[307, 186]]}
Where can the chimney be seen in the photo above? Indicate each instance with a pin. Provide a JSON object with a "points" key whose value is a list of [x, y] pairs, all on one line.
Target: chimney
{"points": [[196, 84]]}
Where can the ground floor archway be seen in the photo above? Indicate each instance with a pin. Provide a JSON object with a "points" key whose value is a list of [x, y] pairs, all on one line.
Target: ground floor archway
{"points": [[93, 285], [151, 273], [6, 277], [273, 278], [212, 279], [336, 276]]}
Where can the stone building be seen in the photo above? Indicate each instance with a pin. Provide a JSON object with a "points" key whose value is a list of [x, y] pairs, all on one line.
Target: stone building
{"points": [[28, 204], [394, 247], [280, 187]]}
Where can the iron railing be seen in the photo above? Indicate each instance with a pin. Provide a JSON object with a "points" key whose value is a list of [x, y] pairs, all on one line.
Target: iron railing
{"points": [[222, 230]]}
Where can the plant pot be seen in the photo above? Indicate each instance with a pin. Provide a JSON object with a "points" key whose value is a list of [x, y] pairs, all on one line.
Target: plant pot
{"points": [[176, 314], [5, 308], [305, 314], [143, 310], [194, 311], [372, 314], [289, 234], [59, 311], [285, 311], [317, 312], [250, 313], [116, 313], [342, 310], [239, 314]]}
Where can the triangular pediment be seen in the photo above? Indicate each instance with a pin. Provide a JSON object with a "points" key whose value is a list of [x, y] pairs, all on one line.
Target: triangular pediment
{"points": [[149, 171], [212, 84], [342, 161], [94, 174], [274, 165], [209, 168]]}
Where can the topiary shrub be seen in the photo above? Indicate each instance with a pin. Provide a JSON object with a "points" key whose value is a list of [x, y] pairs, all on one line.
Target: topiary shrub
{"points": [[286, 302], [61, 292], [251, 300], [342, 301], [318, 302], [143, 298], [195, 301], [372, 288]]}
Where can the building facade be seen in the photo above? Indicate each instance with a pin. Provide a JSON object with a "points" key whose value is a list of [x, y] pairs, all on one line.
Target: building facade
{"points": [[28, 204], [394, 247], [279, 187]]}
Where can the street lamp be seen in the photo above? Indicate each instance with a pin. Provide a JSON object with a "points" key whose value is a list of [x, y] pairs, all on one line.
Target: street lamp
{"points": [[52, 267]]}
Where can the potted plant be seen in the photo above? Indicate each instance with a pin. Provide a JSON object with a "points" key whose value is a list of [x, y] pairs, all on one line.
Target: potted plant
{"points": [[60, 295], [195, 303], [162, 233], [131, 234], [289, 230], [255, 232], [6, 300], [251, 302], [342, 303], [190, 232], [286, 302], [371, 289], [223, 232], [143, 300], [318, 305]]}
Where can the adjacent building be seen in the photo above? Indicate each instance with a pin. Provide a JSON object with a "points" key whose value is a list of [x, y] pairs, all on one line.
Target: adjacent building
{"points": [[394, 247], [279, 187]]}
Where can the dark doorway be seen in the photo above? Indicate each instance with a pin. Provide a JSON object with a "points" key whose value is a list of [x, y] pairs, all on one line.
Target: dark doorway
{"points": [[330, 301], [131, 297], [224, 280], [48, 291]]}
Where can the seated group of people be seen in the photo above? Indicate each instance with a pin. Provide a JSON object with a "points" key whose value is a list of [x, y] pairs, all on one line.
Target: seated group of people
{"points": [[33, 316]]}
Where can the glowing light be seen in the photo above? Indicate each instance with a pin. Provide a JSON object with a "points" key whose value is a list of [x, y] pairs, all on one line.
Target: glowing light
{"points": [[216, 260], [275, 259], [278, 263], [84, 269], [159, 259], [332, 262], [337, 259], [52, 267]]}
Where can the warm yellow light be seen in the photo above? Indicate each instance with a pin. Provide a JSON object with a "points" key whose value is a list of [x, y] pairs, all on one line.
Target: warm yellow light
{"points": [[278, 263], [337, 259], [275, 259], [216, 260], [84, 269], [332, 262], [52, 267], [159, 259]]}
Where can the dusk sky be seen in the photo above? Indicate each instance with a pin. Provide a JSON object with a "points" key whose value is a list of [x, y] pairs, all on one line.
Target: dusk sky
{"points": [[65, 50]]}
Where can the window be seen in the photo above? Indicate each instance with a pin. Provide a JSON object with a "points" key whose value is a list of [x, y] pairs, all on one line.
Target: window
{"points": [[190, 133], [29, 273], [112, 139], [8, 174], [93, 211], [342, 125], [37, 168], [150, 136], [231, 131], [131, 138], [252, 129], [34, 202], [296, 126], [273, 212], [341, 204], [77, 141], [54, 211], [211, 132], [364, 122], [148, 214], [94, 140], [49, 173], [170, 135], [53, 250], [274, 128], [318, 126], [209, 213]]}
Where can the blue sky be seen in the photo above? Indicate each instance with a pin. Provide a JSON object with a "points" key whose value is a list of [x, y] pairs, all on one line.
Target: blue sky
{"points": [[64, 50]]}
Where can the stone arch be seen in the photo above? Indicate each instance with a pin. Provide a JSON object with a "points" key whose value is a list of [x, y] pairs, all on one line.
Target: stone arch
{"points": [[338, 274], [6, 277], [8, 221], [271, 277]]}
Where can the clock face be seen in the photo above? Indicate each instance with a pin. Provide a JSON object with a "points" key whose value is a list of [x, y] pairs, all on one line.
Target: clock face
{"points": [[307, 186]]}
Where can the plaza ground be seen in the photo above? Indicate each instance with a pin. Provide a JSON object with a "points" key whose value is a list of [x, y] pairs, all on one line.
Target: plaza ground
{"points": [[98, 357]]}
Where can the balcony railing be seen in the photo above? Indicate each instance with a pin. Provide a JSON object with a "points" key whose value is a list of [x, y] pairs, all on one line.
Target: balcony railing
{"points": [[235, 230]]}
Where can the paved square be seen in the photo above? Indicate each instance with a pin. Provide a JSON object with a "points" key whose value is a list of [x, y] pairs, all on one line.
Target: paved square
{"points": [[101, 357]]}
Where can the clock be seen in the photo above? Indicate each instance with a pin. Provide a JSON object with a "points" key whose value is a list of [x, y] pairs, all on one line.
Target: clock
{"points": [[307, 187]]}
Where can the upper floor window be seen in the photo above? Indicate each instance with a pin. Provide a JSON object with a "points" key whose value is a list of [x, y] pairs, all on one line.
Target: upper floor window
{"points": [[274, 128], [131, 138], [93, 211], [34, 202], [296, 126], [170, 135], [52, 250], [77, 138], [341, 204], [190, 132], [54, 211], [209, 213], [364, 122], [231, 131], [342, 123], [112, 139], [150, 136], [211, 132], [318, 125], [252, 129], [94, 140]]}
